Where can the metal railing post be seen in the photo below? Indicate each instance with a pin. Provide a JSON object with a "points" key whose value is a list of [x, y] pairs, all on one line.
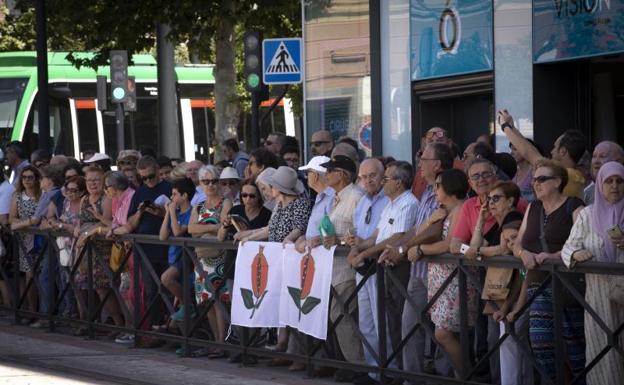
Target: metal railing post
{"points": [[16, 280], [90, 291], [381, 322], [464, 338], [52, 258], [557, 306], [136, 295], [186, 299]]}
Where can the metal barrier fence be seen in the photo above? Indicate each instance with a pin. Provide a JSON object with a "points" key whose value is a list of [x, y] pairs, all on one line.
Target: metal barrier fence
{"points": [[48, 257]]}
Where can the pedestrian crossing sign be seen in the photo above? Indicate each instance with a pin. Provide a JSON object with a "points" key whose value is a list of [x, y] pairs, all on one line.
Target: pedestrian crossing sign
{"points": [[281, 61]]}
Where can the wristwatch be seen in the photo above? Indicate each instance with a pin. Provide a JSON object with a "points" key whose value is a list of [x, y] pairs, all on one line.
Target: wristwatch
{"points": [[505, 125]]}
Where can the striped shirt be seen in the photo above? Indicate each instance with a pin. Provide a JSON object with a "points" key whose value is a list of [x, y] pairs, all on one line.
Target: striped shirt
{"points": [[428, 205], [398, 216], [341, 216]]}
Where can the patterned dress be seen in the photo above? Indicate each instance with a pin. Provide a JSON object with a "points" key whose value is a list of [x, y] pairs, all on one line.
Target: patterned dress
{"points": [[101, 249], [213, 285], [445, 311], [26, 207]]}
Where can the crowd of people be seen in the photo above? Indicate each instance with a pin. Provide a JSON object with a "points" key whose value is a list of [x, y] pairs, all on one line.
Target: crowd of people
{"points": [[477, 203]]}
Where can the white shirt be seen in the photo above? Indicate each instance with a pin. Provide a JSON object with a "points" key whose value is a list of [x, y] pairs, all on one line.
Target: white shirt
{"points": [[6, 192], [398, 216]]}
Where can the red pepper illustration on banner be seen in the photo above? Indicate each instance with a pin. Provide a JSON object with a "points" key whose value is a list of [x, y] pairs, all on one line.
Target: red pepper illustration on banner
{"points": [[259, 278], [306, 273]]}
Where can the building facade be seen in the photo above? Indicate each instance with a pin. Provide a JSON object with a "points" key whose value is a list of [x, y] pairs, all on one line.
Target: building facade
{"points": [[383, 72]]}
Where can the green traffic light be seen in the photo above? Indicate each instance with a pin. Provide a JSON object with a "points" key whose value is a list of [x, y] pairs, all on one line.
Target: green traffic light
{"points": [[253, 80]]}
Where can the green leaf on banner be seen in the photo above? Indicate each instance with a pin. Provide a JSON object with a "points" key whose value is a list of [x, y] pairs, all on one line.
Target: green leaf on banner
{"points": [[261, 298], [309, 304], [247, 298], [295, 293]]}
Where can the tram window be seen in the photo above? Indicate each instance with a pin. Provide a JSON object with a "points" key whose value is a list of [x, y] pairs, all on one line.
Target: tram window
{"points": [[203, 123], [87, 130], [11, 92], [60, 128]]}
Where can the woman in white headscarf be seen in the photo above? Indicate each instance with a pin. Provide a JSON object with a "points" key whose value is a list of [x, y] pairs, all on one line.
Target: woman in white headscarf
{"points": [[590, 239]]}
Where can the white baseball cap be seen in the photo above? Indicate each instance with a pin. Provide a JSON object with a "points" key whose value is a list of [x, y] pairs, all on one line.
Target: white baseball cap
{"points": [[315, 164], [97, 157]]}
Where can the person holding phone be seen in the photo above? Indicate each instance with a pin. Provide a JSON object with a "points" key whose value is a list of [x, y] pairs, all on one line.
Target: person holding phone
{"points": [[597, 235], [249, 215]]}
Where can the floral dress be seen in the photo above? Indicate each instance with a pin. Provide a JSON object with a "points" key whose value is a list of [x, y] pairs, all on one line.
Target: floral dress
{"points": [[213, 284], [445, 311], [101, 249], [26, 207]]}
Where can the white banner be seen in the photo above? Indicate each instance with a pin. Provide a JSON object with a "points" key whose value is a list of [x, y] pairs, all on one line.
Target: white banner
{"points": [[304, 302], [257, 284], [270, 277]]}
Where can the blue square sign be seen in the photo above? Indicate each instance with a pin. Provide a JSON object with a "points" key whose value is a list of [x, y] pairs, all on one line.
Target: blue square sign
{"points": [[281, 61]]}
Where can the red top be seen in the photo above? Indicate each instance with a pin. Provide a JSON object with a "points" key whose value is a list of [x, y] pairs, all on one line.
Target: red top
{"points": [[469, 216]]}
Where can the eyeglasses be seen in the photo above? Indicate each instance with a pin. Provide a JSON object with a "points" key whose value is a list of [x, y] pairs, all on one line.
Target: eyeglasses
{"points": [[319, 143], [125, 162], [387, 178], [228, 183], [369, 214], [93, 180], [437, 185], [28, 177], [483, 175], [250, 196], [207, 182], [372, 175], [148, 177], [495, 198], [72, 190], [268, 143], [429, 159], [543, 178], [292, 160]]}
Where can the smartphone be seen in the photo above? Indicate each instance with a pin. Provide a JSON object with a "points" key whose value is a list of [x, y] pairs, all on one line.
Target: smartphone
{"points": [[148, 203], [615, 231], [239, 222], [463, 248]]}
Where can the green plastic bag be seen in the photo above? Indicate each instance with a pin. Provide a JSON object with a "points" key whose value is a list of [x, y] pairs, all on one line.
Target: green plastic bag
{"points": [[326, 228]]}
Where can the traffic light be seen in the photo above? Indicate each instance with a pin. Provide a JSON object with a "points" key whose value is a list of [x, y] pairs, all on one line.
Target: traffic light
{"points": [[131, 100], [253, 60], [119, 76]]}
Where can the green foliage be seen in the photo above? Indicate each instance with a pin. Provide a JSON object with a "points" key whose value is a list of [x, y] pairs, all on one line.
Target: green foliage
{"points": [[17, 32]]}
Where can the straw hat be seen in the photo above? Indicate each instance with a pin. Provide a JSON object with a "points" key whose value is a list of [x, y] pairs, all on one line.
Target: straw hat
{"points": [[285, 180]]}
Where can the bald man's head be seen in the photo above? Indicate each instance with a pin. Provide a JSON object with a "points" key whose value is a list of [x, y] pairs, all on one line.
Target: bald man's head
{"points": [[370, 175], [605, 151], [321, 143], [346, 150]]}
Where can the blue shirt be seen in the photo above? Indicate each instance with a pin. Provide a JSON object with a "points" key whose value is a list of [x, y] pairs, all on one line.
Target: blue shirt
{"points": [[376, 204], [428, 205], [55, 195], [199, 196], [240, 162], [322, 206], [183, 220]]}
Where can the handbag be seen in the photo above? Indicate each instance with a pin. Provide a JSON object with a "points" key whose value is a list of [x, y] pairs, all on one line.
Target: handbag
{"points": [[497, 283], [65, 251], [118, 257]]}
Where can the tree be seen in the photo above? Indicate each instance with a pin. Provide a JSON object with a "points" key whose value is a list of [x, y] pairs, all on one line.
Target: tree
{"points": [[210, 29]]}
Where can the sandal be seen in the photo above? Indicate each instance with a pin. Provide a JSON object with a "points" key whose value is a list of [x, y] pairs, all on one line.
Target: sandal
{"points": [[217, 353]]}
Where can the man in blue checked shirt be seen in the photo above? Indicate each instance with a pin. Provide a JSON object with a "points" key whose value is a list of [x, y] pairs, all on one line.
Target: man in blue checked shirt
{"points": [[365, 220]]}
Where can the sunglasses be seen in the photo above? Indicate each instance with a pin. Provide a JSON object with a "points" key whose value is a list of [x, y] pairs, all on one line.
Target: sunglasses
{"points": [[207, 182], [125, 163], [148, 177], [387, 178], [369, 214], [72, 190], [543, 178], [268, 143], [228, 183], [483, 175], [434, 134], [319, 143], [28, 177], [494, 198], [250, 196]]}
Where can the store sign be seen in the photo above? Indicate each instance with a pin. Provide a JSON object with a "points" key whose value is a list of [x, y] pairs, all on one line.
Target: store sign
{"points": [[567, 29], [450, 37]]}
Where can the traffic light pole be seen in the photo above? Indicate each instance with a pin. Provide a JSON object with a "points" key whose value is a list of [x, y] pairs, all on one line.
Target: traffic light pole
{"points": [[255, 112], [119, 120]]}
